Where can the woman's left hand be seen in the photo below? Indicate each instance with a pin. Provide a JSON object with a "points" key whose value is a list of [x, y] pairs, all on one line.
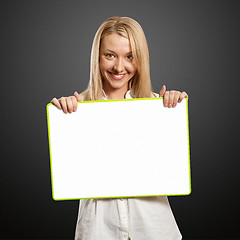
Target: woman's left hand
{"points": [[171, 98]]}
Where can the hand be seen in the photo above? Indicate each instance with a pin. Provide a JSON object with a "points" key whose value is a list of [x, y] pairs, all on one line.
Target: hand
{"points": [[67, 104], [171, 98]]}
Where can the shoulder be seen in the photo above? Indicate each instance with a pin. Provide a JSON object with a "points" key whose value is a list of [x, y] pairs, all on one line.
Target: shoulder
{"points": [[84, 96]]}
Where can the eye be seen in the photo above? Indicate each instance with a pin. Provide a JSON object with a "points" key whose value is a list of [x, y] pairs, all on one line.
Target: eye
{"points": [[109, 55], [130, 57]]}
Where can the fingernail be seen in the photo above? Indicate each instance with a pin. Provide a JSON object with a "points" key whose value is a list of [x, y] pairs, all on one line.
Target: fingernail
{"points": [[174, 105], [165, 104], [169, 105]]}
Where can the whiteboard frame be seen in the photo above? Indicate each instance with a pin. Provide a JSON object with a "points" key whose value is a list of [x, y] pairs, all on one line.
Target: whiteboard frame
{"points": [[57, 196]]}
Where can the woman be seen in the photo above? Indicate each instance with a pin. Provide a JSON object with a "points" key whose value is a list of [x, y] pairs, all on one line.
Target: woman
{"points": [[120, 69]]}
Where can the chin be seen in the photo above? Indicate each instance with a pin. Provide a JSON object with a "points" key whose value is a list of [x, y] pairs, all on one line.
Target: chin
{"points": [[119, 85]]}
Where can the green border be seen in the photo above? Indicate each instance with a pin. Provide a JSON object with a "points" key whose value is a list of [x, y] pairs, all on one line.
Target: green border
{"points": [[118, 100], [50, 153]]}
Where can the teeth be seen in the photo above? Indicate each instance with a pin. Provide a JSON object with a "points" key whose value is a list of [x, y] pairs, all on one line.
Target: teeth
{"points": [[118, 76]]}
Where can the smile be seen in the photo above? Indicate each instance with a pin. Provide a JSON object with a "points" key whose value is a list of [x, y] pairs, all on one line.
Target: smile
{"points": [[117, 76]]}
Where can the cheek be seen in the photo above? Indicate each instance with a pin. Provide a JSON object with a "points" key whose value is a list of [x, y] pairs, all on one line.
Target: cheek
{"points": [[131, 69], [104, 65], [101, 65]]}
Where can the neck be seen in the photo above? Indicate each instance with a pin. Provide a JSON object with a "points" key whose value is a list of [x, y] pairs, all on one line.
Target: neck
{"points": [[115, 93]]}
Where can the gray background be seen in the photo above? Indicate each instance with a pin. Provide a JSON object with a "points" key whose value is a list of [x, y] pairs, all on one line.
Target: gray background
{"points": [[45, 52]]}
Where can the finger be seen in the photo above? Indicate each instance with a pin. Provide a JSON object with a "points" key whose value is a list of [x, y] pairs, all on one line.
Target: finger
{"points": [[74, 102], [162, 91], [63, 103], [69, 104], [166, 99], [176, 97], [182, 96], [56, 103], [171, 97], [77, 96]]}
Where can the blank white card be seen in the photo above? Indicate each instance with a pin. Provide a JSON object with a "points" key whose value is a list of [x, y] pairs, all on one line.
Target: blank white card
{"points": [[122, 148]]}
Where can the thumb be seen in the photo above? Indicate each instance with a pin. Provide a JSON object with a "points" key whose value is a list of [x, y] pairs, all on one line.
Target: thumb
{"points": [[77, 96], [162, 91]]}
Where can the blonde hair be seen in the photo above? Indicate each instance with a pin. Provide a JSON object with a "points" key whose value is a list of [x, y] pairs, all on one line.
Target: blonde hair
{"points": [[140, 84]]}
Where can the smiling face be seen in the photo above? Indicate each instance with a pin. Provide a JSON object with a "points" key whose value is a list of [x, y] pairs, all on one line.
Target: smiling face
{"points": [[117, 65]]}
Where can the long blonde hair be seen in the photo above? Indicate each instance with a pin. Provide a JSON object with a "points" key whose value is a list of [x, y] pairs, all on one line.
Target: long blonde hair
{"points": [[140, 84]]}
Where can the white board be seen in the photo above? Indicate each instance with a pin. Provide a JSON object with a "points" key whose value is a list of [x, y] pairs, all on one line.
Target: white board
{"points": [[121, 148]]}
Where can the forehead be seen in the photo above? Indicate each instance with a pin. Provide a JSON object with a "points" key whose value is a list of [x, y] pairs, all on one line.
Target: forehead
{"points": [[116, 43]]}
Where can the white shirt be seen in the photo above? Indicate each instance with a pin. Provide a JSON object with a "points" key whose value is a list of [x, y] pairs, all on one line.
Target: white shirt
{"points": [[145, 218]]}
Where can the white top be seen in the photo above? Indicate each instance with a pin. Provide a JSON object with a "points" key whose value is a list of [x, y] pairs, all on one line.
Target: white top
{"points": [[145, 218]]}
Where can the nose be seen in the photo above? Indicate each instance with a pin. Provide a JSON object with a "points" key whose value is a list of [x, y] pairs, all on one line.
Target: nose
{"points": [[119, 65]]}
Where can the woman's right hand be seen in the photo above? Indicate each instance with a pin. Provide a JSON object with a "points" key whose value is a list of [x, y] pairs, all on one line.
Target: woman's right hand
{"points": [[67, 104]]}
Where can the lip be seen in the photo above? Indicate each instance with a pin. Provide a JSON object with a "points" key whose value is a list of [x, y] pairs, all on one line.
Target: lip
{"points": [[116, 78]]}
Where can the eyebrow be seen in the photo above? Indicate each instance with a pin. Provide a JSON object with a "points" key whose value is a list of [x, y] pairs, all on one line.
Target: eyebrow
{"points": [[108, 50]]}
